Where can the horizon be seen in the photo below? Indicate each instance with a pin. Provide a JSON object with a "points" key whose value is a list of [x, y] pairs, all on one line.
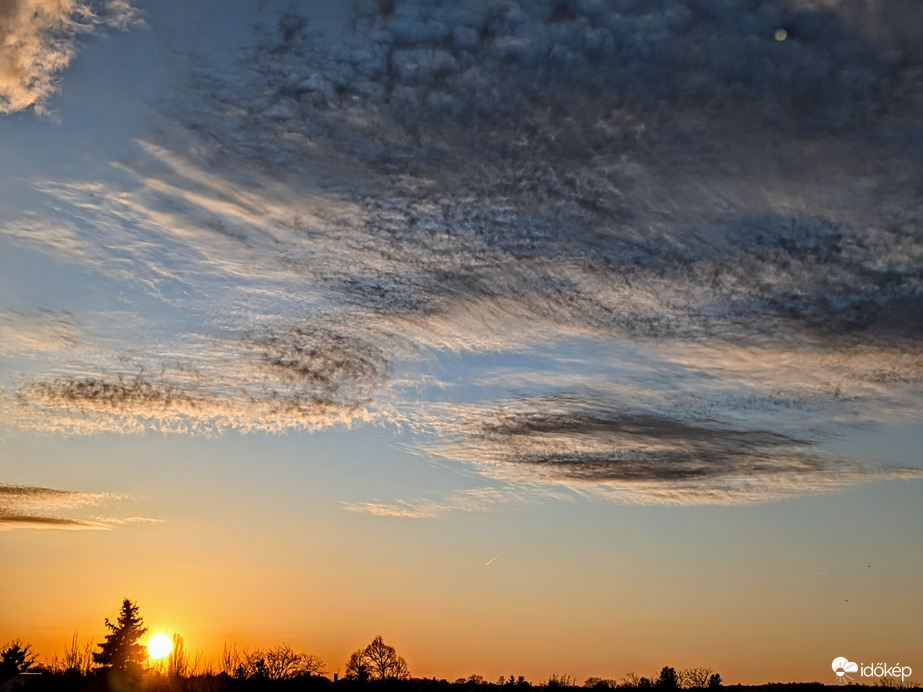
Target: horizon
{"points": [[539, 337], [165, 656]]}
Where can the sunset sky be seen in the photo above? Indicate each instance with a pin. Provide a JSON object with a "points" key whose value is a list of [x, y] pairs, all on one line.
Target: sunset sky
{"points": [[576, 337]]}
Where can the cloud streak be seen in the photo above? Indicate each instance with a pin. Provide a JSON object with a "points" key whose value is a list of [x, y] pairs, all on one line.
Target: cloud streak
{"points": [[697, 247], [470, 500], [599, 445], [32, 507]]}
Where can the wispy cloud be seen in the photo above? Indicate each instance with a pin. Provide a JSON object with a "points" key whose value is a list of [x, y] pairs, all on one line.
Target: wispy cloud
{"points": [[38, 40], [32, 507], [39, 333], [130, 520], [471, 500], [696, 249]]}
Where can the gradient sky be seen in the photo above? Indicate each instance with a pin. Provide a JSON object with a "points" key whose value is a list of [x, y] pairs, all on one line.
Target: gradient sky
{"points": [[309, 311]]}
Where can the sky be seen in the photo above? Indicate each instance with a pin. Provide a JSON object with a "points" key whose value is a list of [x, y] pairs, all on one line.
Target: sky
{"points": [[573, 337]]}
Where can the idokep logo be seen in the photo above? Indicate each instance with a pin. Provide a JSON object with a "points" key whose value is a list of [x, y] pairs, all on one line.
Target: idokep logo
{"points": [[843, 666]]}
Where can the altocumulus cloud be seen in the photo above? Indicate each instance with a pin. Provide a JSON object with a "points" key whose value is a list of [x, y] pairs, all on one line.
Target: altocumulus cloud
{"points": [[699, 246]]}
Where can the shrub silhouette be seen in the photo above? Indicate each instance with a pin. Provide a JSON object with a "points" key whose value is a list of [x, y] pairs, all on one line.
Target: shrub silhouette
{"points": [[563, 680], [280, 662]]}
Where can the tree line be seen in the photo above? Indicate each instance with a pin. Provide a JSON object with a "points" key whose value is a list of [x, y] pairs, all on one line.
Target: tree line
{"points": [[120, 663]]}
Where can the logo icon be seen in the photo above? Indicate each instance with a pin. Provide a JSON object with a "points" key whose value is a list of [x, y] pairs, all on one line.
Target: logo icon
{"points": [[842, 666]]}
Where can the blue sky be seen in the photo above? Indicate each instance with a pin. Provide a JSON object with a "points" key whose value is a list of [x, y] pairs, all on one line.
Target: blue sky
{"points": [[517, 269]]}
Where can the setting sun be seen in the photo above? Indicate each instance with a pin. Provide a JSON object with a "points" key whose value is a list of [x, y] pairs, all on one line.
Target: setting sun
{"points": [[159, 645]]}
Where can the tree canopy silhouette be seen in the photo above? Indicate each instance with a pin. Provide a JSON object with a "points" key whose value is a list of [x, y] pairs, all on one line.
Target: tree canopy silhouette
{"points": [[377, 661], [121, 651], [668, 678], [15, 657]]}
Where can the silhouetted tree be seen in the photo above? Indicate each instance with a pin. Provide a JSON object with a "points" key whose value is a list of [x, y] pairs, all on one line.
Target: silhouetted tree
{"points": [[280, 662], [473, 679], [668, 679], [177, 664], [77, 658], [15, 658], [121, 652], [283, 662], [694, 677], [377, 661], [714, 680], [562, 680], [356, 668], [630, 679]]}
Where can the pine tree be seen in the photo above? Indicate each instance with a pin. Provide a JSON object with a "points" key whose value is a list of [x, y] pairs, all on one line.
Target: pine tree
{"points": [[15, 657], [121, 651]]}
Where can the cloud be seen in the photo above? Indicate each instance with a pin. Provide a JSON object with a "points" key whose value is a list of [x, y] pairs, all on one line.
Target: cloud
{"points": [[600, 445], [14, 521], [31, 507], [41, 332], [471, 500], [130, 520], [693, 251], [38, 40]]}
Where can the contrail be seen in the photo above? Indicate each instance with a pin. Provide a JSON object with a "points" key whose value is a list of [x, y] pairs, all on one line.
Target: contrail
{"points": [[492, 559]]}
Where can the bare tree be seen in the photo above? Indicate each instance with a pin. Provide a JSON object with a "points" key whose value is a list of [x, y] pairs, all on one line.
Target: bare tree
{"points": [[283, 662], [563, 680], [200, 665], [77, 657], [356, 667], [377, 661], [230, 659], [178, 664], [694, 677], [630, 679], [277, 663], [253, 664]]}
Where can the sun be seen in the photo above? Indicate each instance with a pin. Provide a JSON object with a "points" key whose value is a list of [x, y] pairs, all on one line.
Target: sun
{"points": [[159, 645]]}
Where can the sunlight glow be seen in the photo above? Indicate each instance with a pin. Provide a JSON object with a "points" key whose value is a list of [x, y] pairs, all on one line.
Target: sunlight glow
{"points": [[159, 645]]}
